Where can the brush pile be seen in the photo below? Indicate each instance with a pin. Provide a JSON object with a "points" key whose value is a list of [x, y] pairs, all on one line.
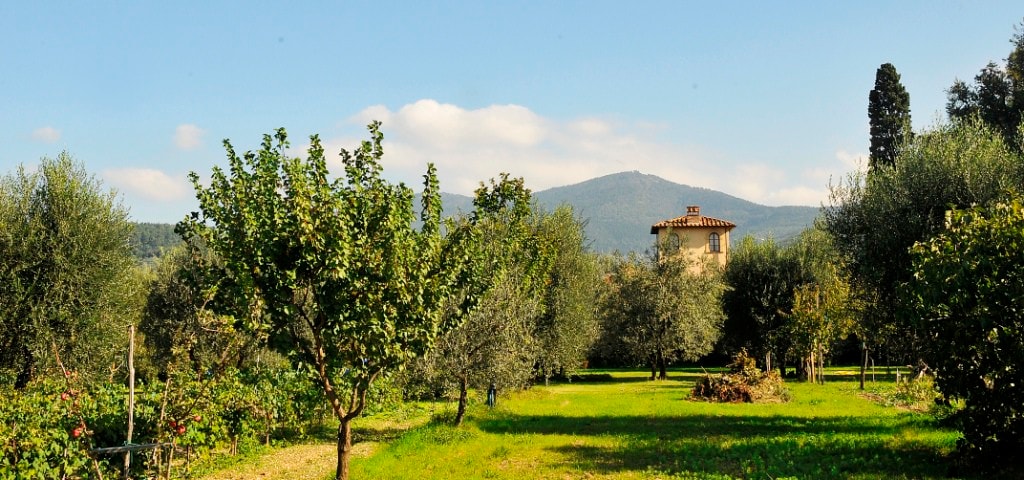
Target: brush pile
{"points": [[743, 383]]}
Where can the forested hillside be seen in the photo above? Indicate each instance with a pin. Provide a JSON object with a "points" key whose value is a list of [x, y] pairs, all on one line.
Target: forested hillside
{"points": [[620, 209], [152, 238]]}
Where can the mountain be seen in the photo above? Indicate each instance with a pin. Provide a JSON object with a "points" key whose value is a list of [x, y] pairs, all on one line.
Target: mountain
{"points": [[620, 209]]}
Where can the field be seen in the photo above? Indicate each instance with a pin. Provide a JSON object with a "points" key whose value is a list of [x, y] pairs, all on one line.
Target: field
{"points": [[631, 428]]}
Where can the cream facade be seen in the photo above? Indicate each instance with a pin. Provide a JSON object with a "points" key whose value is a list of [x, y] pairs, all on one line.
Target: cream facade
{"points": [[705, 239]]}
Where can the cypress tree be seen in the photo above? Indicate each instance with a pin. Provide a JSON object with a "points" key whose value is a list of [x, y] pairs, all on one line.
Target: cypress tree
{"points": [[889, 115]]}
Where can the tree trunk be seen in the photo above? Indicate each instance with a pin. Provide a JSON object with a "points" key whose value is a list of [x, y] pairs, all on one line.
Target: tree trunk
{"points": [[821, 368], [810, 367], [864, 368], [463, 394], [344, 448], [662, 368], [654, 369]]}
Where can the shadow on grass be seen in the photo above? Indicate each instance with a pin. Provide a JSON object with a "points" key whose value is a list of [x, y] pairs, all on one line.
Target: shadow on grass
{"points": [[744, 447]]}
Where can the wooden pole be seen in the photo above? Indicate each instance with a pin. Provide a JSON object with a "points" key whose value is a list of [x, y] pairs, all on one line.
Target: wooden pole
{"points": [[131, 399], [864, 364]]}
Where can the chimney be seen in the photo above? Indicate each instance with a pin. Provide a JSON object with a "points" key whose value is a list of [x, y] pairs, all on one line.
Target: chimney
{"points": [[693, 211]]}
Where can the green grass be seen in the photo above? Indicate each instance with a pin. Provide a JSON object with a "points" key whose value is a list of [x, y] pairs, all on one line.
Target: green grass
{"points": [[631, 428]]}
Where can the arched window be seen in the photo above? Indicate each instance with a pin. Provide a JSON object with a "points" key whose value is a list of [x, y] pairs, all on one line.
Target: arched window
{"points": [[713, 243]]}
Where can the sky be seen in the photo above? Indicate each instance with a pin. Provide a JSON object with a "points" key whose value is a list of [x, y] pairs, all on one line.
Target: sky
{"points": [[766, 101]]}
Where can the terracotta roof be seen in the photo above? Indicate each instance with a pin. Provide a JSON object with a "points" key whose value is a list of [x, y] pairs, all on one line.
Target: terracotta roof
{"points": [[691, 221]]}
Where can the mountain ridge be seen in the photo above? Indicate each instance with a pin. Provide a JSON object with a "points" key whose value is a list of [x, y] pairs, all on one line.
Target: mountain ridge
{"points": [[621, 207]]}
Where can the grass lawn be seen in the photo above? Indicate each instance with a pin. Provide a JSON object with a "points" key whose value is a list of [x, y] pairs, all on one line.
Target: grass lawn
{"points": [[631, 428]]}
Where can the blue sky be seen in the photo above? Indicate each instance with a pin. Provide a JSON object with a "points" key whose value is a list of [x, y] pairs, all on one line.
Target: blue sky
{"points": [[765, 101]]}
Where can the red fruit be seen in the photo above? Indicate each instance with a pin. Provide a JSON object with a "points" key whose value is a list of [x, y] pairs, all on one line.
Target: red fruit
{"points": [[197, 418], [76, 432], [64, 396], [180, 430]]}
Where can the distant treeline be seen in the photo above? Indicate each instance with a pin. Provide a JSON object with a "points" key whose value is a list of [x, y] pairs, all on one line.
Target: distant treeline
{"points": [[152, 238]]}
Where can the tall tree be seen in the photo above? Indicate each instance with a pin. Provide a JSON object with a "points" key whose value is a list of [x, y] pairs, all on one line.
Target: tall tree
{"points": [[889, 117], [997, 95], [333, 270], [65, 265]]}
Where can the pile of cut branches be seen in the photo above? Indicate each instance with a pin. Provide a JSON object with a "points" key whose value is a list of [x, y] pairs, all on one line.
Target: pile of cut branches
{"points": [[743, 383]]}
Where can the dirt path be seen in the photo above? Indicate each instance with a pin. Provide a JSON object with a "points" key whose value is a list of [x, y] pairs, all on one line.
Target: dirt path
{"points": [[298, 462]]}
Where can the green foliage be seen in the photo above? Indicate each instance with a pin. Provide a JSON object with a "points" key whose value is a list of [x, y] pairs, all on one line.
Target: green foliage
{"points": [[180, 325], [658, 311], [495, 344], [66, 279], [568, 325], [42, 435], [914, 393], [875, 219], [151, 240], [969, 291], [824, 308], [761, 277], [38, 437], [996, 97], [889, 117], [333, 270]]}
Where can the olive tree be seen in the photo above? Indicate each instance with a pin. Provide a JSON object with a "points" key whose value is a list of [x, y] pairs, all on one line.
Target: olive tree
{"points": [[495, 344], [66, 279], [568, 325], [333, 270], [186, 323], [662, 310]]}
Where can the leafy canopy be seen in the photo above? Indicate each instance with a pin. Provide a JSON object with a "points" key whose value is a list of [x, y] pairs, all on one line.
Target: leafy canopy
{"points": [[333, 270], [969, 293], [66, 280]]}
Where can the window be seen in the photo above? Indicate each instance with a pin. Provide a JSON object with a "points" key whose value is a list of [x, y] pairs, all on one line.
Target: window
{"points": [[713, 243], [673, 243]]}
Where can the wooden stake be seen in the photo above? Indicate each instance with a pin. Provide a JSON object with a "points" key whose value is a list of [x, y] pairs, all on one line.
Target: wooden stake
{"points": [[131, 399]]}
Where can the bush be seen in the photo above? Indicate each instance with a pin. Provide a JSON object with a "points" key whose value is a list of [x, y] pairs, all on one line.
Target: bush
{"points": [[969, 293], [916, 394], [48, 428]]}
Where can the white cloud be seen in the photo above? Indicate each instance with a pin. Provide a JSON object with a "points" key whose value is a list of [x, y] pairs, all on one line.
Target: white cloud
{"points": [[469, 146], [146, 183], [188, 136], [46, 134], [852, 161], [472, 145], [798, 195]]}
